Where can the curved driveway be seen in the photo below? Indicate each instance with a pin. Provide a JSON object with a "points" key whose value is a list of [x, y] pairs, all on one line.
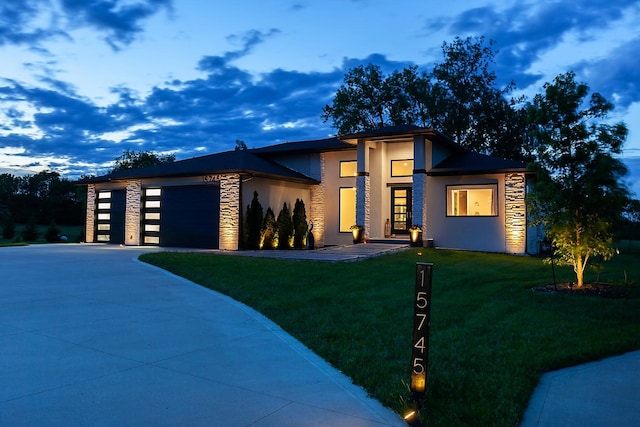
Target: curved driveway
{"points": [[90, 336]]}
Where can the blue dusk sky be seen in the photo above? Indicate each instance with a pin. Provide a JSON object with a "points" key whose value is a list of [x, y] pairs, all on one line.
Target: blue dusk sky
{"points": [[83, 80]]}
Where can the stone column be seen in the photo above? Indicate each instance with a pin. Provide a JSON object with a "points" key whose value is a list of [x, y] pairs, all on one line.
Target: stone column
{"points": [[229, 223], [515, 213], [419, 185], [132, 213], [90, 220], [363, 188], [317, 208]]}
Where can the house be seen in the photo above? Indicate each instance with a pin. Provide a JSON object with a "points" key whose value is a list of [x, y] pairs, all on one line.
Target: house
{"points": [[385, 180]]}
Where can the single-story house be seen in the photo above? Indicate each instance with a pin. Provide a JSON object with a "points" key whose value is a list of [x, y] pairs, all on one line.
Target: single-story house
{"points": [[385, 180]]}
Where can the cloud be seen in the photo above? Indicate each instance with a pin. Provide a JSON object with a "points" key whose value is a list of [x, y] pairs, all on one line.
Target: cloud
{"points": [[527, 30], [17, 23], [120, 19], [31, 22]]}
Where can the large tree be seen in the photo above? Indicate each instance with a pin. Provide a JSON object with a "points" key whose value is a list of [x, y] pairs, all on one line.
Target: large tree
{"points": [[131, 159], [459, 97], [579, 194]]}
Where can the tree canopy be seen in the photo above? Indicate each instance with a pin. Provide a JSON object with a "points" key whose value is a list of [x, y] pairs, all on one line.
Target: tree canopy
{"points": [[459, 97], [131, 159]]}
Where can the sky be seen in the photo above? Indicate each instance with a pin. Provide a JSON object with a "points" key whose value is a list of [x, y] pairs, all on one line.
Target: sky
{"points": [[83, 80]]}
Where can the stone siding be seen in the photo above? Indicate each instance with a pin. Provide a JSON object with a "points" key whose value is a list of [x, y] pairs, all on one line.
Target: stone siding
{"points": [[515, 213]]}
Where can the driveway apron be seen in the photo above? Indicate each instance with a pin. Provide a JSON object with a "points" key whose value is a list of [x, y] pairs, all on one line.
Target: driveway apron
{"points": [[89, 336]]}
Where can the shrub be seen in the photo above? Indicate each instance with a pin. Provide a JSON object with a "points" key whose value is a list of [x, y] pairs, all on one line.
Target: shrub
{"points": [[31, 232], [9, 228], [285, 228], [53, 233], [300, 225]]}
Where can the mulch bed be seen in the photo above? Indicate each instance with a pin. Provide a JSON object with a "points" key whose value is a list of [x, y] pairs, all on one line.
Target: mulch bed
{"points": [[603, 290]]}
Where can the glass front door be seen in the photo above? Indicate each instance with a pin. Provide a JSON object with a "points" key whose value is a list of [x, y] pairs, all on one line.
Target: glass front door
{"points": [[400, 210]]}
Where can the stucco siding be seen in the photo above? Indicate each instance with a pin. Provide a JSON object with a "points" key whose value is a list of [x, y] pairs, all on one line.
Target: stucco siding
{"points": [[468, 232]]}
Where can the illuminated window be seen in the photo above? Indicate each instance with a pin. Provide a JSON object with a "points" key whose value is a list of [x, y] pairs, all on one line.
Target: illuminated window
{"points": [[103, 237], [152, 216], [152, 240], [104, 227], [104, 216], [402, 167], [152, 227], [472, 200], [149, 192], [347, 208], [152, 204], [104, 195], [104, 206], [348, 168]]}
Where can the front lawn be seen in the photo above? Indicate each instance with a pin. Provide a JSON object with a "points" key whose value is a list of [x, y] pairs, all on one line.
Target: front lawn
{"points": [[491, 335]]}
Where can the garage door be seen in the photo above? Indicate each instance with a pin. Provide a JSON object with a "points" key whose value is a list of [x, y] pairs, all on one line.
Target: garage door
{"points": [[189, 216]]}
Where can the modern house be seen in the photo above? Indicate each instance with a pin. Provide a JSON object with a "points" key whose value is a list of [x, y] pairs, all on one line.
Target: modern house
{"points": [[385, 180]]}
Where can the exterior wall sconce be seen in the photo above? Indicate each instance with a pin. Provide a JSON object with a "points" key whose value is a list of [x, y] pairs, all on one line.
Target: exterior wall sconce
{"points": [[415, 233]]}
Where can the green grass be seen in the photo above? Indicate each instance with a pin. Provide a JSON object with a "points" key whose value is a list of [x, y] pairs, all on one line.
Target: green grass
{"points": [[491, 336], [75, 233]]}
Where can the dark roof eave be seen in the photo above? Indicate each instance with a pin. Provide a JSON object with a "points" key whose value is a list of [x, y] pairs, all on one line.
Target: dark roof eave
{"points": [[106, 178], [457, 172]]}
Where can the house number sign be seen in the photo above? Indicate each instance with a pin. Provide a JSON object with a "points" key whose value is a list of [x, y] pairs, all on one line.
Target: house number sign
{"points": [[421, 322]]}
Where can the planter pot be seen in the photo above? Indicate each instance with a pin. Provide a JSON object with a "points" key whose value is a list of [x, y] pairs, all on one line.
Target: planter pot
{"points": [[358, 235], [416, 238]]}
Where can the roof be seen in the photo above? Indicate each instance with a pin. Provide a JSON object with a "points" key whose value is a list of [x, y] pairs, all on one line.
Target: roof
{"points": [[314, 146], [470, 163], [241, 161]]}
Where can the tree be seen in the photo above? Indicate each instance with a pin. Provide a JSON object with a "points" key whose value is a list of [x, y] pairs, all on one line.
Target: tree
{"points": [[460, 98], [578, 196], [240, 145], [131, 159], [361, 103]]}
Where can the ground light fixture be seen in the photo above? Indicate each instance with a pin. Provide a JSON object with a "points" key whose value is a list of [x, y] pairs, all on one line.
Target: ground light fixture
{"points": [[412, 418]]}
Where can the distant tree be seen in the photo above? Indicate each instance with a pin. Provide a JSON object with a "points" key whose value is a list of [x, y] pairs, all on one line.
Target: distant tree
{"points": [[285, 227], [300, 225], [253, 223], [131, 159], [269, 231], [578, 196], [240, 145]]}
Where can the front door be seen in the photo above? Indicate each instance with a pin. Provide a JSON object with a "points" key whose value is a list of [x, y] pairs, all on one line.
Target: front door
{"points": [[400, 210]]}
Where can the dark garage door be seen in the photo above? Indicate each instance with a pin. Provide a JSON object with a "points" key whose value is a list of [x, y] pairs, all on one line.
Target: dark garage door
{"points": [[189, 216]]}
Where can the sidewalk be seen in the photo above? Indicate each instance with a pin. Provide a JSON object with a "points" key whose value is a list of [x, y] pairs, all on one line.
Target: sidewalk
{"points": [[598, 394]]}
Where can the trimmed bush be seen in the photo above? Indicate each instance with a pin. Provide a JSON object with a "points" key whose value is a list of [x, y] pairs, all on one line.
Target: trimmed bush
{"points": [[269, 231], [31, 232], [253, 223], [285, 228], [300, 225]]}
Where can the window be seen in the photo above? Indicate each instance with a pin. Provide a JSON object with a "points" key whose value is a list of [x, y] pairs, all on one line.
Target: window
{"points": [[152, 214], [152, 204], [402, 167], [348, 168], [149, 192], [104, 195], [347, 208], [472, 200]]}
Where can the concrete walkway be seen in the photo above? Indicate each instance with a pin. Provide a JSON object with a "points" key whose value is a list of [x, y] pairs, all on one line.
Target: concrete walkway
{"points": [[89, 336], [598, 394]]}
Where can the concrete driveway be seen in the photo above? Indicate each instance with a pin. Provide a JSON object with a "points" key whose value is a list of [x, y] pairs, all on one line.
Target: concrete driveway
{"points": [[90, 336]]}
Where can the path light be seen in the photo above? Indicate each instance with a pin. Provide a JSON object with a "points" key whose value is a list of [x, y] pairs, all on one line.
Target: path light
{"points": [[412, 418]]}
